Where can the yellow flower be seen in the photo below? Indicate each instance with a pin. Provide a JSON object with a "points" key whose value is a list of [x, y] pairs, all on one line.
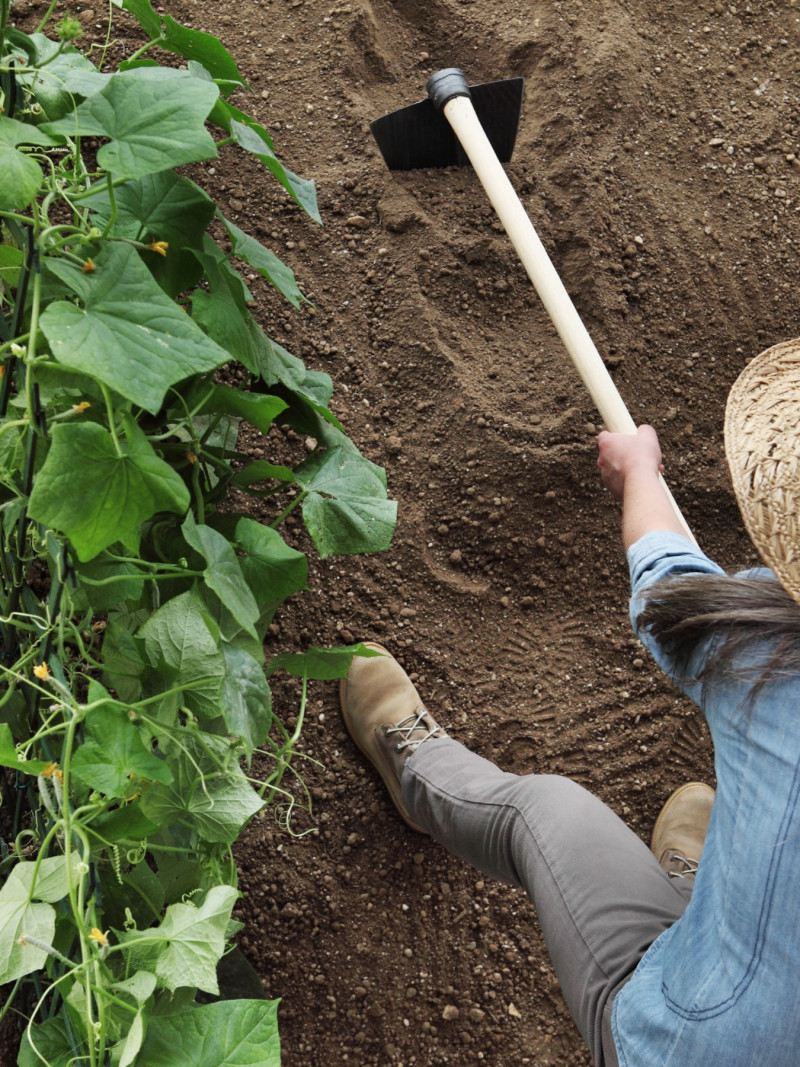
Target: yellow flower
{"points": [[80, 408], [42, 672], [191, 456], [159, 246], [49, 770], [99, 937], [59, 774], [88, 266]]}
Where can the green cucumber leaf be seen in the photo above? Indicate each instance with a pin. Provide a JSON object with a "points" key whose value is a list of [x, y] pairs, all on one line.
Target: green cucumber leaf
{"points": [[265, 262], [178, 635], [261, 471], [22, 179], [50, 1042], [243, 1033], [215, 807], [13, 133], [125, 1051], [63, 74], [223, 574], [96, 496], [277, 365], [114, 753], [100, 569], [139, 986], [217, 813], [129, 334], [272, 570], [11, 259], [27, 882], [225, 87], [222, 310], [50, 882], [203, 48], [259, 409], [160, 207], [8, 754], [321, 664], [123, 662], [185, 652], [126, 823], [249, 135], [142, 11], [245, 697], [187, 944], [303, 192], [346, 509], [153, 116], [140, 890]]}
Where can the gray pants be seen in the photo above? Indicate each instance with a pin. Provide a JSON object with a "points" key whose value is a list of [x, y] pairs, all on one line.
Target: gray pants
{"points": [[600, 895]]}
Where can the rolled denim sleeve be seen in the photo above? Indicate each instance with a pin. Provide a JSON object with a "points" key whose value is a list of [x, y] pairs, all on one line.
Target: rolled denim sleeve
{"points": [[655, 556]]}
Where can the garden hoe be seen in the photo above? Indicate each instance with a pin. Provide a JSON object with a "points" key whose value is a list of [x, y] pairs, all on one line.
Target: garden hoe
{"points": [[481, 128]]}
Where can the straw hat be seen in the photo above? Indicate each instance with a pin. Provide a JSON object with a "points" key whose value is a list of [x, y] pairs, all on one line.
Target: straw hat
{"points": [[762, 445]]}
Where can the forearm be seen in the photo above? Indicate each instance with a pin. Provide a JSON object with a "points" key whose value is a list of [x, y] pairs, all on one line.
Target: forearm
{"points": [[646, 507]]}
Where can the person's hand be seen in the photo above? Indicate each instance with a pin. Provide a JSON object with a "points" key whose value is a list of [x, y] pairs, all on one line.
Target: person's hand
{"points": [[622, 453]]}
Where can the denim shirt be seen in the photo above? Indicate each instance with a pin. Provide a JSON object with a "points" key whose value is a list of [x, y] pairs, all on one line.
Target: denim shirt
{"points": [[721, 987]]}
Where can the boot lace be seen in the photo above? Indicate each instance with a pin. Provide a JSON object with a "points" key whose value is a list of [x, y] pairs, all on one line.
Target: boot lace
{"points": [[406, 728], [684, 867]]}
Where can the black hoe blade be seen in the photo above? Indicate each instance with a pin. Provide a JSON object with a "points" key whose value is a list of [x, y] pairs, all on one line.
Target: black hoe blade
{"points": [[419, 136]]}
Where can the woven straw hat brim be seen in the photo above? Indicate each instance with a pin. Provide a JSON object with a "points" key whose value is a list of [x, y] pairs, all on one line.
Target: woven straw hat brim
{"points": [[762, 446]]}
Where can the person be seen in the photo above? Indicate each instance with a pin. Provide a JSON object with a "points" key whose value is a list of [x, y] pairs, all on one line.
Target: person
{"points": [[686, 954]]}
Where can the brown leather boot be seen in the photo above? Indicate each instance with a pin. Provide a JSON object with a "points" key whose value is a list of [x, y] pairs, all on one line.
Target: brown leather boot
{"points": [[386, 717], [680, 829]]}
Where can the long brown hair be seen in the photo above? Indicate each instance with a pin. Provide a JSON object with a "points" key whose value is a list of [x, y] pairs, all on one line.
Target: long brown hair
{"points": [[753, 625]]}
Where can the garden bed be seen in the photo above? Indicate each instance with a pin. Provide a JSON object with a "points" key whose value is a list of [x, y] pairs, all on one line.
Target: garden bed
{"points": [[656, 157]]}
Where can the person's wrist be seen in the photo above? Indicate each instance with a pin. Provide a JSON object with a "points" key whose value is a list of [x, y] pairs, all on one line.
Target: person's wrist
{"points": [[641, 467], [638, 477]]}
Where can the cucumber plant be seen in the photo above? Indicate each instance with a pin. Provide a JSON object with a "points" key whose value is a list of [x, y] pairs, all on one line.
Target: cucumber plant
{"points": [[135, 597]]}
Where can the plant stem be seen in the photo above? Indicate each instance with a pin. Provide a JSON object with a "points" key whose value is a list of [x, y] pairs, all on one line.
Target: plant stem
{"points": [[200, 503], [10, 999], [76, 898], [24, 219], [111, 418], [19, 340], [12, 424], [177, 573], [107, 41], [92, 190], [112, 197], [300, 715], [286, 511], [47, 16], [36, 303], [145, 47]]}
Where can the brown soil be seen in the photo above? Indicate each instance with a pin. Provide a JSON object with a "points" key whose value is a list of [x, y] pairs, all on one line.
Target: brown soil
{"points": [[656, 158]]}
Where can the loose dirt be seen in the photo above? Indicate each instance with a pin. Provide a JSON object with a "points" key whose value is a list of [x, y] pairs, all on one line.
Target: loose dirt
{"points": [[658, 158]]}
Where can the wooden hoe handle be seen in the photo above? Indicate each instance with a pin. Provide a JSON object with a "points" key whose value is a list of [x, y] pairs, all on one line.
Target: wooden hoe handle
{"points": [[459, 112]]}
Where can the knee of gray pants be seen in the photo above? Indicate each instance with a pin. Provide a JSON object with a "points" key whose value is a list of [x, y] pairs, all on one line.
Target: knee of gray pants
{"points": [[599, 893]]}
